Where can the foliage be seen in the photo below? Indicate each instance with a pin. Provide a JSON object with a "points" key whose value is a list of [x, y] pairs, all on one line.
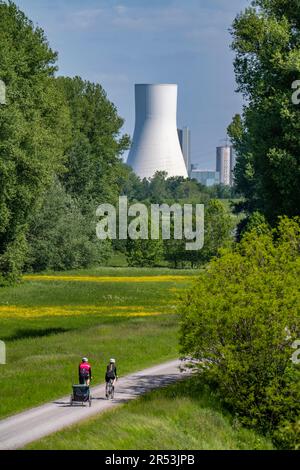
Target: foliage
{"points": [[161, 189], [34, 131], [144, 253], [254, 222], [219, 223], [61, 237], [218, 233], [93, 164], [218, 229], [266, 41], [240, 320]]}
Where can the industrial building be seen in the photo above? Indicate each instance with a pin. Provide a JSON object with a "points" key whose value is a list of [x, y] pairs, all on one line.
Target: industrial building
{"points": [[205, 177], [225, 164], [155, 146]]}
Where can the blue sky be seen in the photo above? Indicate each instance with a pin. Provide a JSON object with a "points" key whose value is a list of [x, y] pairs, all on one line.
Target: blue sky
{"points": [[119, 43]]}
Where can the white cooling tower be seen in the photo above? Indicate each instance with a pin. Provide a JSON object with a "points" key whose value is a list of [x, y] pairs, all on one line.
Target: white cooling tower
{"points": [[155, 145]]}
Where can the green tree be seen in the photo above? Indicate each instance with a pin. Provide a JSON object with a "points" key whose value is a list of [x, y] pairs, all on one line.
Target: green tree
{"points": [[61, 237], [144, 253], [266, 41], [132, 186], [93, 165], [34, 131], [240, 320], [158, 188], [218, 230]]}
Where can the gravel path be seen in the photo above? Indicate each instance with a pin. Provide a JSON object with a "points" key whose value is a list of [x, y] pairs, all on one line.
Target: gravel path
{"points": [[31, 425]]}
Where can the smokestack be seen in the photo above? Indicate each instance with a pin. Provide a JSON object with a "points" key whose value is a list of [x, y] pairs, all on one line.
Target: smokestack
{"points": [[155, 144]]}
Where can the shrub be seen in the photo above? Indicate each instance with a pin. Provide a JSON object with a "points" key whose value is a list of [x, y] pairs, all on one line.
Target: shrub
{"points": [[240, 320], [61, 237]]}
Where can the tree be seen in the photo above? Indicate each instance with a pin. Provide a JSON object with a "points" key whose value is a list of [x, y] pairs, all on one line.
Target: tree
{"points": [[240, 320], [266, 40], [93, 165], [34, 131], [218, 231], [158, 188], [144, 253], [131, 185], [61, 237]]}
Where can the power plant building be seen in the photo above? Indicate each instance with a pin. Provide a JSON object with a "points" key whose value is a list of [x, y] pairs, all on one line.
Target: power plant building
{"points": [[225, 164], [206, 177], [155, 146]]}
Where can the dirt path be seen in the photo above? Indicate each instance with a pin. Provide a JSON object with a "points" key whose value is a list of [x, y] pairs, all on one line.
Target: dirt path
{"points": [[31, 425]]}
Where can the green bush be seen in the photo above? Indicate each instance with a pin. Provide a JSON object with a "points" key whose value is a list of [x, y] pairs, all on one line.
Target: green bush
{"points": [[240, 320], [61, 237], [35, 130], [144, 253]]}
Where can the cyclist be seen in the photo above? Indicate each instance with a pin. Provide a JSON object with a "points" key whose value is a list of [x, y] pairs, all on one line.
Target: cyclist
{"points": [[111, 374], [85, 372]]}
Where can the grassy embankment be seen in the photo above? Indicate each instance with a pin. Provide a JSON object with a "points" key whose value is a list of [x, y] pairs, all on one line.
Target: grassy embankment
{"points": [[177, 417], [49, 323]]}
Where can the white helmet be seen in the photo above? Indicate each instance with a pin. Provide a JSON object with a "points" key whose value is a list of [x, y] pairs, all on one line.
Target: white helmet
{"points": [[85, 359], [112, 361]]}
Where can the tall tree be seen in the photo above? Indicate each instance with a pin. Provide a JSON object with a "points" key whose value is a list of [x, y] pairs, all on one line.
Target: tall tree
{"points": [[34, 130], [93, 165], [61, 237], [240, 321], [266, 40]]}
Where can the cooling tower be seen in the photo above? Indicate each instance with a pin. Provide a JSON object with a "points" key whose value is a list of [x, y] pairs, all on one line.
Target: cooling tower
{"points": [[155, 145]]}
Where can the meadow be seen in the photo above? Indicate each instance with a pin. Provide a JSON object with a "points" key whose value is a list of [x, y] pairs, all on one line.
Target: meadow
{"points": [[50, 321], [177, 417]]}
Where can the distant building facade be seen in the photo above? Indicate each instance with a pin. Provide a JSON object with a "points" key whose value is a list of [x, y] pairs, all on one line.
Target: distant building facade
{"points": [[233, 163], [184, 136], [205, 177], [225, 164]]}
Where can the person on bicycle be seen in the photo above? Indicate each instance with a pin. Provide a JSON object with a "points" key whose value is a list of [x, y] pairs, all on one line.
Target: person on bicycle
{"points": [[111, 374], [85, 372]]}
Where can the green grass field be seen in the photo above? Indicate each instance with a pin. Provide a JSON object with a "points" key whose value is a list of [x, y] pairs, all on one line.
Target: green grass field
{"points": [[177, 417], [49, 323]]}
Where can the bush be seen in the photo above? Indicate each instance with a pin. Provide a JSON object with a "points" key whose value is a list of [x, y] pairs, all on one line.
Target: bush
{"points": [[61, 237], [240, 320], [144, 253]]}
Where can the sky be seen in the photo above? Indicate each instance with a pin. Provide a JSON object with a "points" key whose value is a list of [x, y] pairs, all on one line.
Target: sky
{"points": [[119, 43]]}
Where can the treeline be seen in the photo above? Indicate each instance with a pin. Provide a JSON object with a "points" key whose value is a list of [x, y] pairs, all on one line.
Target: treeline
{"points": [[219, 222], [218, 227]]}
